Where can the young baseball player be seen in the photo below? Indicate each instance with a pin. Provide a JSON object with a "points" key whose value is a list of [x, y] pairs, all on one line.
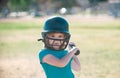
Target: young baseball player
{"points": [[55, 59]]}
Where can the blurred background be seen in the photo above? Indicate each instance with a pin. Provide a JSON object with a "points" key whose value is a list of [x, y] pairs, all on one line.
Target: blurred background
{"points": [[94, 27], [39, 8]]}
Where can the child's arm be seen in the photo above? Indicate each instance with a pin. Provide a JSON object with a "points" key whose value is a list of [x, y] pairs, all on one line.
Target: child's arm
{"points": [[76, 64], [52, 60]]}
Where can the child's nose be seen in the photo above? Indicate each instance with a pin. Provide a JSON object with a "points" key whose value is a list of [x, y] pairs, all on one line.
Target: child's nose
{"points": [[57, 42]]}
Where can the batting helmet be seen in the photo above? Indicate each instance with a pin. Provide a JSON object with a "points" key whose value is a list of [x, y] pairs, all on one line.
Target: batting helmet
{"points": [[56, 24]]}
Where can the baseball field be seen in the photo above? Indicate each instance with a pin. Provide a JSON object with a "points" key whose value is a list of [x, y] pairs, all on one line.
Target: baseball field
{"points": [[97, 37]]}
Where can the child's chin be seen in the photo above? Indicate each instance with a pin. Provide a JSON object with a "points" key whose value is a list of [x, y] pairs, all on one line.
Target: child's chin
{"points": [[56, 47]]}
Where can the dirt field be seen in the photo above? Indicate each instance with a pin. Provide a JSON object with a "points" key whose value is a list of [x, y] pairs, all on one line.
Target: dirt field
{"points": [[20, 67]]}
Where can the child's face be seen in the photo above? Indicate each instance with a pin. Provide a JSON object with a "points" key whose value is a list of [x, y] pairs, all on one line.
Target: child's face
{"points": [[56, 39]]}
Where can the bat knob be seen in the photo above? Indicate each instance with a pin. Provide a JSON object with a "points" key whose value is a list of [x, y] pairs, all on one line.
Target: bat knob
{"points": [[78, 52]]}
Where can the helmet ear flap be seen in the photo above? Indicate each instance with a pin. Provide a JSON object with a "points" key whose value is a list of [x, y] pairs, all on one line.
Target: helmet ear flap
{"points": [[44, 34], [43, 37], [67, 39]]}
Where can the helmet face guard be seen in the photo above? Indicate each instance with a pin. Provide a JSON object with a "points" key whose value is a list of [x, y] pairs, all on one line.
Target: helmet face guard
{"points": [[53, 25], [63, 42]]}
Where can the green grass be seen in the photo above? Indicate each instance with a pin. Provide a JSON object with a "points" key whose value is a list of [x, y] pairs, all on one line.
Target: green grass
{"points": [[96, 25], [99, 44], [17, 26]]}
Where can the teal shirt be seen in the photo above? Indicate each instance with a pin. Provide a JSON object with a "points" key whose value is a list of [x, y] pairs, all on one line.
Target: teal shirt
{"points": [[54, 71]]}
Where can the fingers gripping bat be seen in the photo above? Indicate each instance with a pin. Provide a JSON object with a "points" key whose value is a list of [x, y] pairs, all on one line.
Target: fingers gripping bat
{"points": [[71, 45]]}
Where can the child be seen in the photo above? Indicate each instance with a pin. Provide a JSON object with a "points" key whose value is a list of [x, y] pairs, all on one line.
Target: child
{"points": [[56, 61]]}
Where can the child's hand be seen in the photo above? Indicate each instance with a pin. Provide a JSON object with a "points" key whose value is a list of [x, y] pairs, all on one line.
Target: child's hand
{"points": [[73, 50], [72, 45]]}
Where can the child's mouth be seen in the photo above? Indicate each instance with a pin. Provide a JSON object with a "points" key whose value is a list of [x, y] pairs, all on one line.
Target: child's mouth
{"points": [[56, 45]]}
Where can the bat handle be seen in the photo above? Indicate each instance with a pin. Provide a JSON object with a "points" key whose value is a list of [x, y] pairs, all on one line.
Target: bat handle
{"points": [[78, 52]]}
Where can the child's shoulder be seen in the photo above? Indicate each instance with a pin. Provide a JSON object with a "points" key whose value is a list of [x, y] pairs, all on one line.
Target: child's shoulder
{"points": [[43, 51]]}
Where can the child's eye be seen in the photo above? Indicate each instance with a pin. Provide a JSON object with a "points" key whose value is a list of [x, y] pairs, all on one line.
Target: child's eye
{"points": [[61, 36]]}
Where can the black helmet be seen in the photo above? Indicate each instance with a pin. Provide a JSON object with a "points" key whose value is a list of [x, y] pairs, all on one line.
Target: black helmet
{"points": [[56, 24]]}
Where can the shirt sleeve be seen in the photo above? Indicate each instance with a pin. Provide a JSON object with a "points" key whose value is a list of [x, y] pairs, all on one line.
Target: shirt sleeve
{"points": [[41, 55]]}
